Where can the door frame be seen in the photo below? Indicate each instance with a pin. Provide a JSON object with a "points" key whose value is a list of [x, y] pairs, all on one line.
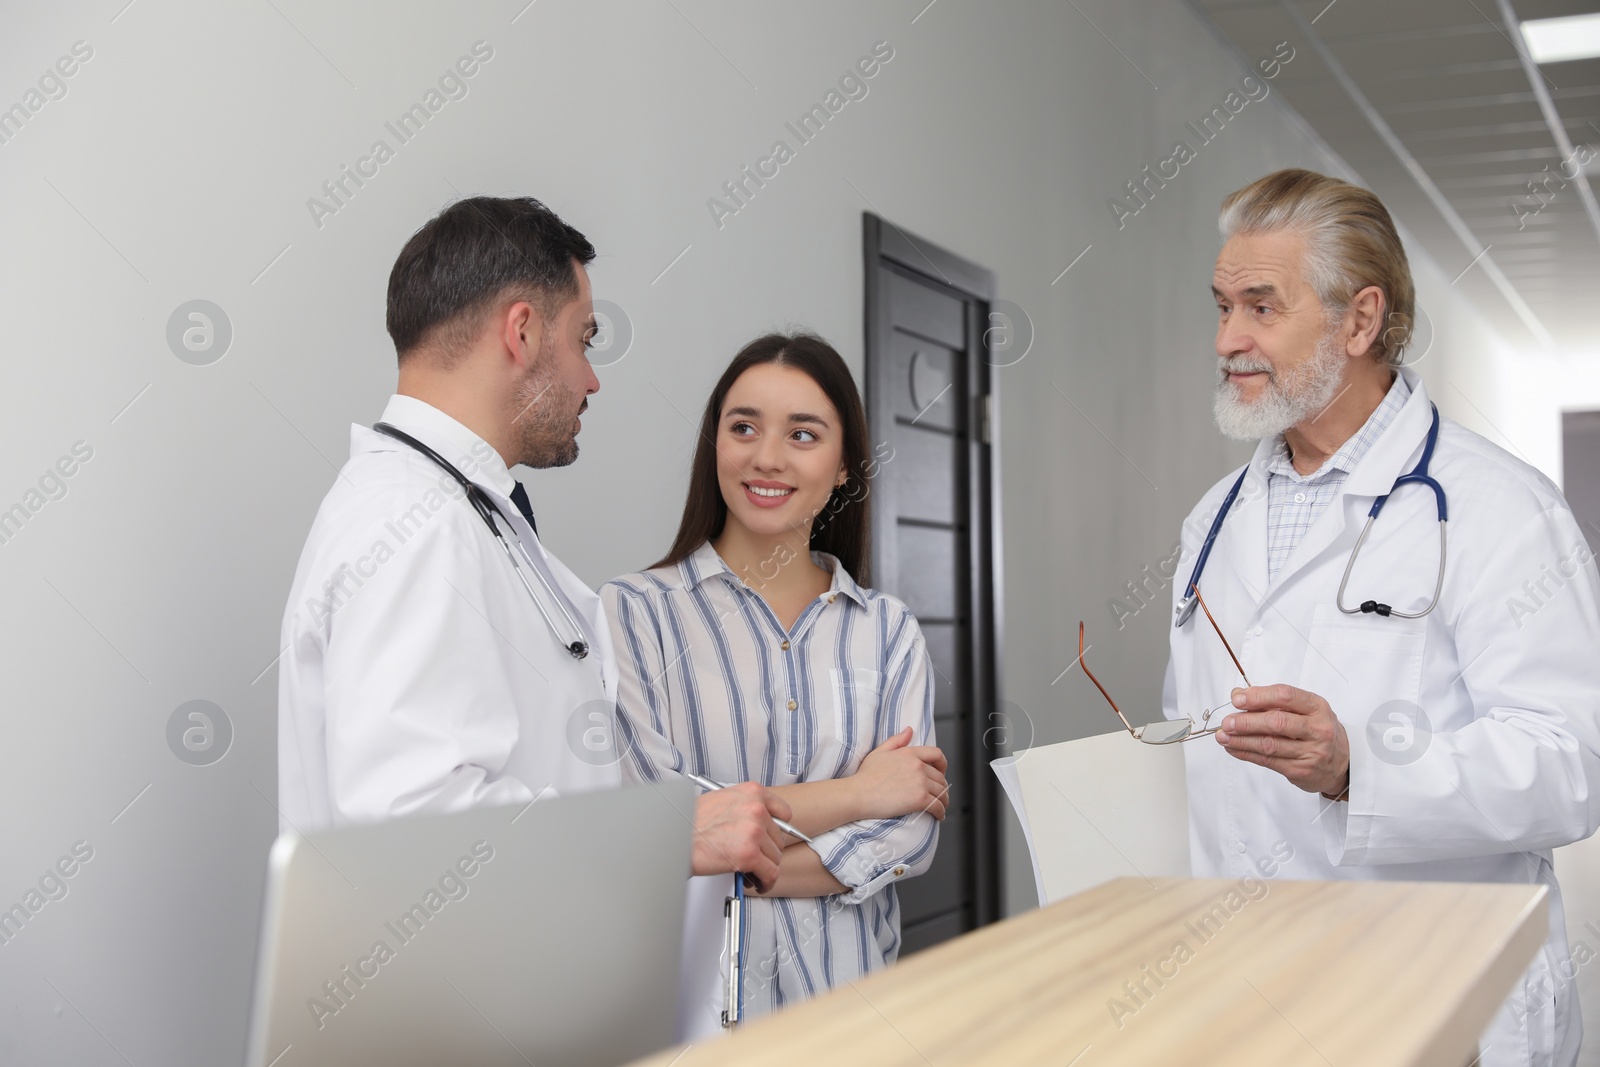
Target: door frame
{"points": [[882, 241]]}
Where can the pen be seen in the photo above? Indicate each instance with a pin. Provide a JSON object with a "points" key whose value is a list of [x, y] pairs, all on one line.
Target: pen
{"points": [[706, 783]]}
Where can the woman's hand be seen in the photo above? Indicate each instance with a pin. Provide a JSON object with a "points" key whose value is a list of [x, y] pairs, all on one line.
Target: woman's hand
{"points": [[899, 778]]}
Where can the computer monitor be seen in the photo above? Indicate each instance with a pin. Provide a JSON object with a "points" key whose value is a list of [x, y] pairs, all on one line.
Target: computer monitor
{"points": [[548, 934]]}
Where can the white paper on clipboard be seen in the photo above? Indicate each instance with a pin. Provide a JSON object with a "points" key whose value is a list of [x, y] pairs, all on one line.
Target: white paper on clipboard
{"points": [[700, 977], [1005, 768], [1099, 808]]}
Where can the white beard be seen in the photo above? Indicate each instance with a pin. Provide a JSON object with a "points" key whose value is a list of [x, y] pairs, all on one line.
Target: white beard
{"points": [[1287, 399]]}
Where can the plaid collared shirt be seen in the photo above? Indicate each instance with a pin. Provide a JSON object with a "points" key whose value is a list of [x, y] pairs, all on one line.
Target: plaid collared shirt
{"points": [[1294, 501]]}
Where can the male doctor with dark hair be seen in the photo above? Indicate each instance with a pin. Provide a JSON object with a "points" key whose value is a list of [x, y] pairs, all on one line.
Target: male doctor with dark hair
{"points": [[433, 663]]}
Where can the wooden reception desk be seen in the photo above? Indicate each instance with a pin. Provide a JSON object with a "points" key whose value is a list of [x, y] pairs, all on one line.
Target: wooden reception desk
{"points": [[1181, 971]]}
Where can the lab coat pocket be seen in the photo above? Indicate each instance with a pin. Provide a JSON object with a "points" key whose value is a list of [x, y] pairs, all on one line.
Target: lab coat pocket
{"points": [[855, 707], [1360, 664], [1524, 1029]]}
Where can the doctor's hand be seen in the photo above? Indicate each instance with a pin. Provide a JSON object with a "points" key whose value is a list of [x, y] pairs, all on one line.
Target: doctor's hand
{"points": [[1290, 731], [734, 831]]}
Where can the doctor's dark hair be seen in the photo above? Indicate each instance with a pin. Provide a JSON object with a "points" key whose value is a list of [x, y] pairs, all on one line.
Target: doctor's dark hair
{"points": [[843, 528], [476, 254], [1351, 243]]}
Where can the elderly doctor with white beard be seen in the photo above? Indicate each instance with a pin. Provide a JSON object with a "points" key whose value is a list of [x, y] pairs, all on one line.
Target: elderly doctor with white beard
{"points": [[1422, 724]]}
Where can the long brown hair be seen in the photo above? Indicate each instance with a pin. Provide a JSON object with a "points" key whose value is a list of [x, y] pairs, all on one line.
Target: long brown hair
{"points": [[843, 528]]}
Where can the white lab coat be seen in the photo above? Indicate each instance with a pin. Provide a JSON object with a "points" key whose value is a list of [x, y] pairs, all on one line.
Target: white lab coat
{"points": [[417, 675], [1507, 673]]}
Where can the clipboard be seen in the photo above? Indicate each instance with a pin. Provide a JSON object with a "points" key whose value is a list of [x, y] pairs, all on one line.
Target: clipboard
{"points": [[733, 918]]}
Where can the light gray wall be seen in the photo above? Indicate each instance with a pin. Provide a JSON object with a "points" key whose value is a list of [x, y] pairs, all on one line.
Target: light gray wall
{"points": [[178, 167]]}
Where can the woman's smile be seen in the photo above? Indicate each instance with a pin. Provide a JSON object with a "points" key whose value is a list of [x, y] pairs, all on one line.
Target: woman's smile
{"points": [[765, 494]]}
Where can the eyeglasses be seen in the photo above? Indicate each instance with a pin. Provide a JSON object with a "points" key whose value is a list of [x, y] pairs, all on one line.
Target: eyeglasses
{"points": [[1169, 731]]}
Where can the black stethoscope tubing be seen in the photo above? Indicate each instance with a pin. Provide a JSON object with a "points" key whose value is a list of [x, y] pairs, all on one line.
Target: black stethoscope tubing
{"points": [[488, 511]]}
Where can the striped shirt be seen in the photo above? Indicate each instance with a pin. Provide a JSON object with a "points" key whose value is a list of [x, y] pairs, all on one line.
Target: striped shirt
{"points": [[711, 683], [1294, 501]]}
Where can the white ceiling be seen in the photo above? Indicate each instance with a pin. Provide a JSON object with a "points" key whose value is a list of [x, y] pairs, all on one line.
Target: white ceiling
{"points": [[1446, 77]]}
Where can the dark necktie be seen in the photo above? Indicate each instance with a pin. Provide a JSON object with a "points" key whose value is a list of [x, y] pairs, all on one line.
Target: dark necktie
{"points": [[519, 497]]}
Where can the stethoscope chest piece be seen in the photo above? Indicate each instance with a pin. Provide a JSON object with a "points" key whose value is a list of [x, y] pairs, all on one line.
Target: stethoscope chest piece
{"points": [[1186, 608]]}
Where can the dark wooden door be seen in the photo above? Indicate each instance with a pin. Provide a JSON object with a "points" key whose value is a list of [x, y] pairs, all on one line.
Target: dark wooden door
{"points": [[1580, 452], [935, 516]]}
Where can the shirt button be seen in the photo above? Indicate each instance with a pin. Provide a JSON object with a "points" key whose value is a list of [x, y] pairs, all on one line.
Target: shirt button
{"points": [[1259, 630], [1299, 498], [830, 600], [784, 646], [1240, 846], [793, 705], [898, 871]]}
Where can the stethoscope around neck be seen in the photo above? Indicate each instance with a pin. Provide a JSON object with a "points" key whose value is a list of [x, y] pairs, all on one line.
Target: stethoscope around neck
{"points": [[1418, 475], [488, 511]]}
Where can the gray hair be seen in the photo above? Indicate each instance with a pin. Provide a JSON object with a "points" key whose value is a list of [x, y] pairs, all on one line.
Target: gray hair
{"points": [[1351, 243]]}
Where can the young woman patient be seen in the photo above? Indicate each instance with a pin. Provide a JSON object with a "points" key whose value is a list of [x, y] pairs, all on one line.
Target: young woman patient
{"points": [[750, 653]]}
